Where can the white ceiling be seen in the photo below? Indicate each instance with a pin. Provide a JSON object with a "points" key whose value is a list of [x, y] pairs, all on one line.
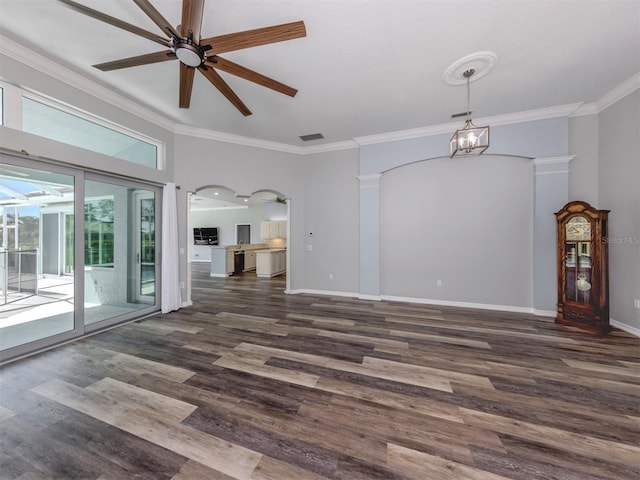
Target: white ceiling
{"points": [[366, 67]]}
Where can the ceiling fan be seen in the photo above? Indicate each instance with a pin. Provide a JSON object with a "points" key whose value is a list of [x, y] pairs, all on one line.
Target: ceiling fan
{"points": [[196, 53]]}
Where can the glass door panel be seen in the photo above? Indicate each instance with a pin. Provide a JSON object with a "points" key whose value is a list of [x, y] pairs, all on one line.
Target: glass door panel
{"points": [[145, 246], [578, 260], [119, 251], [36, 303], [69, 229]]}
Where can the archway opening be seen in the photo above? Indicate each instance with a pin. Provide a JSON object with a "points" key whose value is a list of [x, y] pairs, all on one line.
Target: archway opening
{"points": [[237, 235]]}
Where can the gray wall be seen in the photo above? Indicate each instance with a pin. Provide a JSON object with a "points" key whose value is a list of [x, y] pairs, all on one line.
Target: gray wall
{"points": [[325, 193], [466, 222], [226, 220], [619, 191], [331, 216], [583, 169], [202, 162]]}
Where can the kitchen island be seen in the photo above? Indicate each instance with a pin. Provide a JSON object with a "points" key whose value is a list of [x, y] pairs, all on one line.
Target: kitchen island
{"points": [[229, 259], [271, 262]]}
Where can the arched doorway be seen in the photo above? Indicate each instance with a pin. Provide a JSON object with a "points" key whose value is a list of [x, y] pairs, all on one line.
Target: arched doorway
{"points": [[232, 234]]}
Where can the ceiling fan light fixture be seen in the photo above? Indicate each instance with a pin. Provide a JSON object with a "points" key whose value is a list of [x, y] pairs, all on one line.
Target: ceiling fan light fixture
{"points": [[188, 54], [192, 51]]}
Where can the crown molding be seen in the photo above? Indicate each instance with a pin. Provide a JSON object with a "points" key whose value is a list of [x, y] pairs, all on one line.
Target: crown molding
{"points": [[369, 180], [585, 109], [206, 134], [330, 147], [625, 88], [553, 160], [618, 93], [496, 120], [552, 165], [47, 66], [258, 143]]}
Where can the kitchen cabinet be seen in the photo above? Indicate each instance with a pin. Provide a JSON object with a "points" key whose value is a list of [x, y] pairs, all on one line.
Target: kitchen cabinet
{"points": [[223, 258], [282, 229], [230, 262], [273, 229], [249, 260], [270, 263]]}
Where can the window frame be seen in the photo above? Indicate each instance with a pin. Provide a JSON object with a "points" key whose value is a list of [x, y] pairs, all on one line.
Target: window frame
{"points": [[97, 120]]}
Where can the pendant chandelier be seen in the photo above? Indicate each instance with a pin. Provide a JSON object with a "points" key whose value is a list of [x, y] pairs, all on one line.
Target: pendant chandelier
{"points": [[469, 140]]}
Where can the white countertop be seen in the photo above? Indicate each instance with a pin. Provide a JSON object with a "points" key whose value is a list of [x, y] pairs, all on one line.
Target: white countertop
{"points": [[246, 246]]}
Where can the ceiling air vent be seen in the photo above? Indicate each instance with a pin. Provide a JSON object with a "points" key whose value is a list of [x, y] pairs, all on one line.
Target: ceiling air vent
{"points": [[311, 136]]}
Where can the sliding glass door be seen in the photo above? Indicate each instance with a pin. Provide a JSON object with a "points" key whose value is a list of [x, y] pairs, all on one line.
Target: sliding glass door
{"points": [[120, 250], [79, 253], [36, 300], [145, 281]]}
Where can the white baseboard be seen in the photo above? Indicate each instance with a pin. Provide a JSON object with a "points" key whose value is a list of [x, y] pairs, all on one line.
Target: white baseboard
{"points": [[427, 301], [327, 293], [376, 298], [450, 303], [623, 326]]}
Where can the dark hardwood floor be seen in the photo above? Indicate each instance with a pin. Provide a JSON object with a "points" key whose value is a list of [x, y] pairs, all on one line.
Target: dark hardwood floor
{"points": [[250, 383]]}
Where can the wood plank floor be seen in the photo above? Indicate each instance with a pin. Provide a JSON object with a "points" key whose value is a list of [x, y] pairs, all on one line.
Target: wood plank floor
{"points": [[250, 383]]}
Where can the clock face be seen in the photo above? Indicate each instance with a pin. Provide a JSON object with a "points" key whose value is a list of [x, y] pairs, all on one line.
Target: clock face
{"points": [[578, 229], [575, 230]]}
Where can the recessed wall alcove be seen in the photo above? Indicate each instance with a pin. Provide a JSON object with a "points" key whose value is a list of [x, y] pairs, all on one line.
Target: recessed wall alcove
{"points": [[465, 230], [478, 231]]}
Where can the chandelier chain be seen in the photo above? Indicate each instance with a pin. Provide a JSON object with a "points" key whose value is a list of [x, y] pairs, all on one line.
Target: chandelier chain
{"points": [[468, 96], [470, 139], [468, 75]]}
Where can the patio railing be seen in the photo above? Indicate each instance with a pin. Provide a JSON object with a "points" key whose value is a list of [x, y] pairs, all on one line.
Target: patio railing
{"points": [[18, 272]]}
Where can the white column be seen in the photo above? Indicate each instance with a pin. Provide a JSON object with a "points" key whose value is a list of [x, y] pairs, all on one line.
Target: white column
{"points": [[370, 236], [551, 193]]}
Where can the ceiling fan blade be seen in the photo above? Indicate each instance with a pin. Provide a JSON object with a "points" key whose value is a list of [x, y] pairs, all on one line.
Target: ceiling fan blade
{"points": [[254, 38], [186, 84], [116, 22], [191, 18], [145, 59], [157, 18], [218, 82], [255, 77]]}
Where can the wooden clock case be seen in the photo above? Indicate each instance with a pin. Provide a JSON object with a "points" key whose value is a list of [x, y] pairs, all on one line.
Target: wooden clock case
{"points": [[583, 270]]}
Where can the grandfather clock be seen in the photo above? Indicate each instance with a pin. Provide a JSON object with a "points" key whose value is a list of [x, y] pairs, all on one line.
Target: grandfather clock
{"points": [[583, 271]]}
